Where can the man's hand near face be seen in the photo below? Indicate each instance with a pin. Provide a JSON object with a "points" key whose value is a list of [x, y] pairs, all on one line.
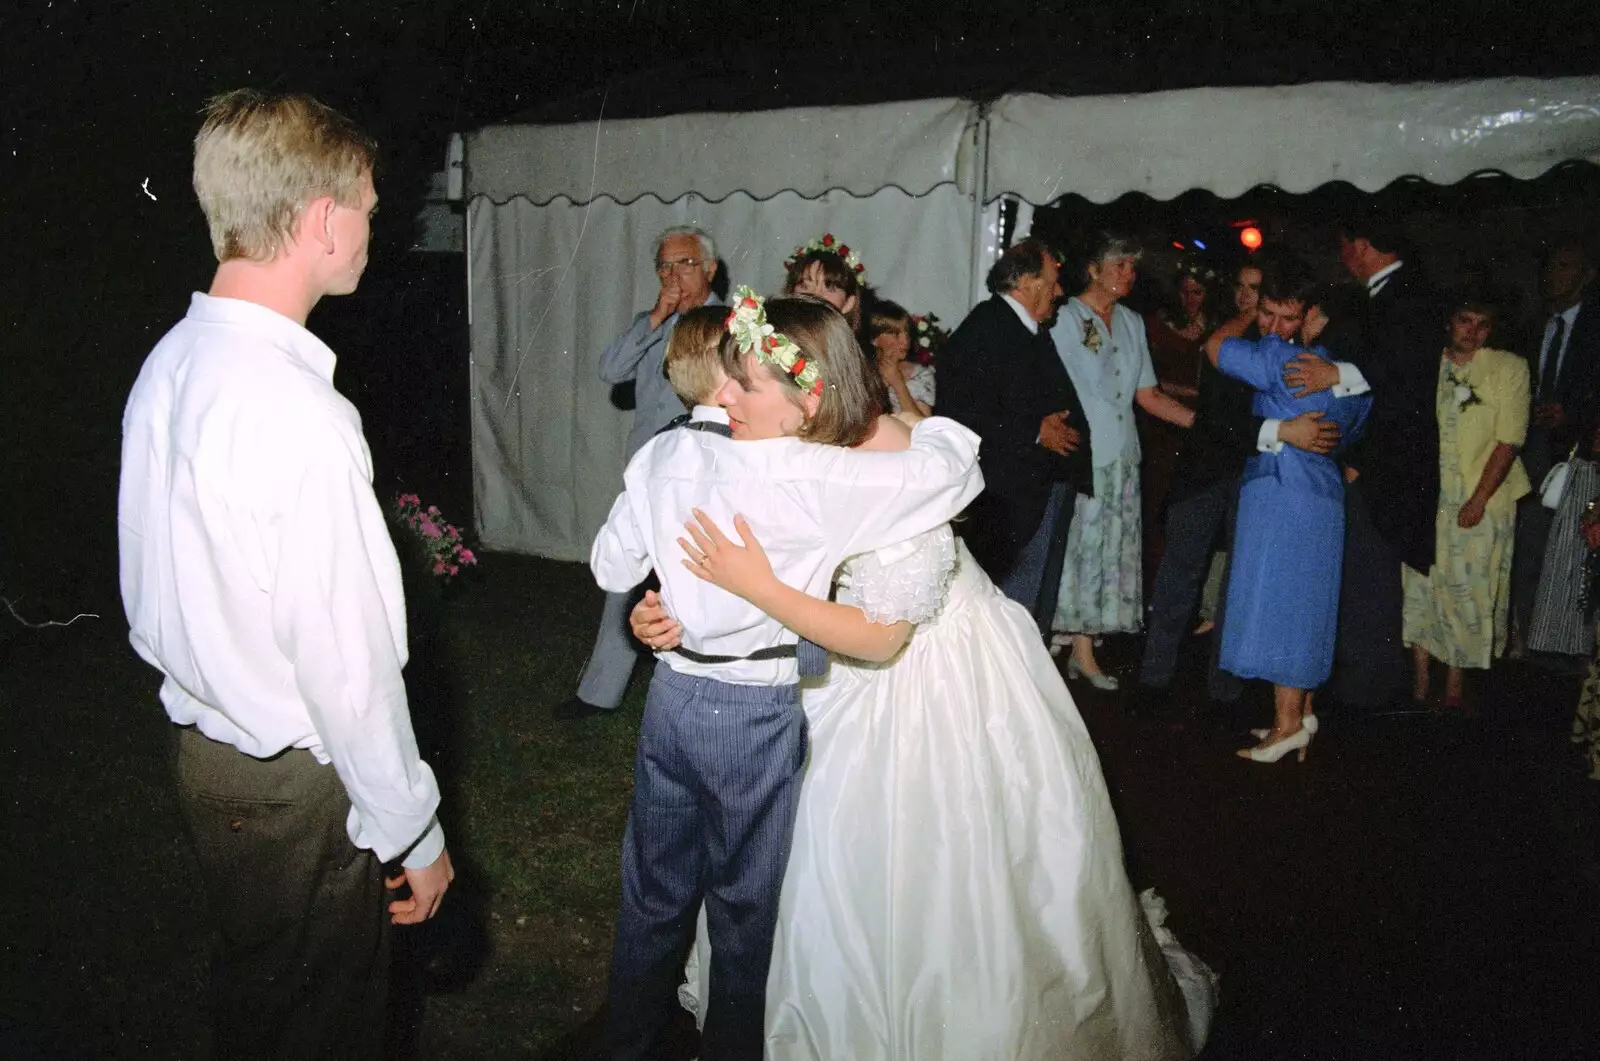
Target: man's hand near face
{"points": [[667, 301]]}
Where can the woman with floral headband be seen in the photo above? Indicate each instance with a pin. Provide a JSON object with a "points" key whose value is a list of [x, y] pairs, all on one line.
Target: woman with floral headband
{"points": [[828, 269], [956, 887]]}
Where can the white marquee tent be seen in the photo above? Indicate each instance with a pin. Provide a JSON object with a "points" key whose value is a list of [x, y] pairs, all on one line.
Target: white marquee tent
{"points": [[561, 221]]}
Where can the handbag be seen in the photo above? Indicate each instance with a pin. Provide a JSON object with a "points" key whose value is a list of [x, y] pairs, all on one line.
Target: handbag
{"points": [[1555, 482]]}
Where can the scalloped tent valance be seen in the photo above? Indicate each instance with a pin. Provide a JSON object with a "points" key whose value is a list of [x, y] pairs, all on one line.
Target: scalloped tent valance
{"points": [[1223, 140], [1229, 140], [914, 146]]}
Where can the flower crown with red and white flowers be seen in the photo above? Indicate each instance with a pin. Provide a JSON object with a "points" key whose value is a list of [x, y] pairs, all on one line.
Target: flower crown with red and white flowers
{"points": [[747, 323], [829, 244], [927, 337]]}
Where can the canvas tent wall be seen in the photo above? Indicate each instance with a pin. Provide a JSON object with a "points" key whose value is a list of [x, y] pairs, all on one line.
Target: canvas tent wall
{"points": [[560, 221]]}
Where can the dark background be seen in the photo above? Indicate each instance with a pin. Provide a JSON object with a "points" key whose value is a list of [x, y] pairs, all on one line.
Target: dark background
{"points": [[98, 99], [98, 102]]}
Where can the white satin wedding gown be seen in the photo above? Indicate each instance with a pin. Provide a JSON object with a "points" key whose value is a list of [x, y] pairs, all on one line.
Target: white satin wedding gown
{"points": [[956, 889]]}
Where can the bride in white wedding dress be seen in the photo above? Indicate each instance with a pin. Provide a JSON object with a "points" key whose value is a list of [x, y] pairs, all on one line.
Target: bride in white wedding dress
{"points": [[956, 888]]}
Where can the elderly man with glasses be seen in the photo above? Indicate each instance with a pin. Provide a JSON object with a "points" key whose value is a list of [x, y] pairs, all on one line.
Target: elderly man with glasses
{"points": [[686, 264]]}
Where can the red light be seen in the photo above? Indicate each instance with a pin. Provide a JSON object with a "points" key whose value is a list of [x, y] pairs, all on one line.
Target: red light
{"points": [[1250, 237], [1176, 245]]}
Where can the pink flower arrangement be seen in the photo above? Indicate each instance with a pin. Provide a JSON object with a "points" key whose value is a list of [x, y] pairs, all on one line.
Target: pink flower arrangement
{"points": [[443, 547]]}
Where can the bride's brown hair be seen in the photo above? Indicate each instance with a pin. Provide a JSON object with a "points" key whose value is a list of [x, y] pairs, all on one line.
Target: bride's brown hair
{"points": [[849, 405]]}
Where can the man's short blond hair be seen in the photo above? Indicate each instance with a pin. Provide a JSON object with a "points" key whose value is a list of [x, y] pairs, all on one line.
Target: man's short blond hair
{"points": [[692, 364], [261, 157]]}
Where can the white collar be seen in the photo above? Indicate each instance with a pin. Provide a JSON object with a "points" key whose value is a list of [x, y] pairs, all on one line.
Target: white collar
{"points": [[286, 334], [714, 413], [1026, 317], [1570, 315], [1376, 281]]}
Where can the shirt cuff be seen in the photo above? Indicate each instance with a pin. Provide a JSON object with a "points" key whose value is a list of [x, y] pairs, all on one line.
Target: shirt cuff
{"points": [[425, 852], [1351, 381], [1267, 438]]}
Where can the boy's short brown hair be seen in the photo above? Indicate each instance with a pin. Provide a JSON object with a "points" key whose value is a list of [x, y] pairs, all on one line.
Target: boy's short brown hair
{"points": [[692, 365]]}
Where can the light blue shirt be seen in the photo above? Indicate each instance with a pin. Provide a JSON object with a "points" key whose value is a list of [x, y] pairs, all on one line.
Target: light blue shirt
{"points": [[1107, 378], [638, 354]]}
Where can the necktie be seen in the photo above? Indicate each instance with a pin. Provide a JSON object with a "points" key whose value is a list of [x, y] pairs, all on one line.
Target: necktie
{"points": [[1552, 360]]}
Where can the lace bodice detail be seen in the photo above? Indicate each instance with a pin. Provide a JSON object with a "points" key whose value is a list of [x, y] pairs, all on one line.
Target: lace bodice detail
{"points": [[906, 582]]}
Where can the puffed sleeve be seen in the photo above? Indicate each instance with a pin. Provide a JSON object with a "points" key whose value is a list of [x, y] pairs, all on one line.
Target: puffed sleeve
{"points": [[906, 582]]}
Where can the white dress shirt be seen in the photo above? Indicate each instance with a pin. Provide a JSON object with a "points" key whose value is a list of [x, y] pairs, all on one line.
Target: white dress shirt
{"points": [[1023, 315], [1569, 317], [256, 566], [811, 506]]}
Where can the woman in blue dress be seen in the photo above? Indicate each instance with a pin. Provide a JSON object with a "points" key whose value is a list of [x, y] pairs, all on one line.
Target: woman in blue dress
{"points": [[1290, 521]]}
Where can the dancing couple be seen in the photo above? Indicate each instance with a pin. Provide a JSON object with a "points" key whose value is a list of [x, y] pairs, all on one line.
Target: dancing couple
{"points": [[955, 887]]}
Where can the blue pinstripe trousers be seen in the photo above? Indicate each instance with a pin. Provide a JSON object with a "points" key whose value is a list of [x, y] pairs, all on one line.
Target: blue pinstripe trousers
{"points": [[716, 783]]}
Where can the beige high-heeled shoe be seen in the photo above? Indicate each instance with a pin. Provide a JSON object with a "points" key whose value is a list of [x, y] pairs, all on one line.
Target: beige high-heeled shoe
{"points": [[1308, 721], [1298, 741]]}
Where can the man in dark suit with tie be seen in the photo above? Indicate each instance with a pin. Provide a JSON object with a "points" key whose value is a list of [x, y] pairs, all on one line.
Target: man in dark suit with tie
{"points": [[1000, 375], [1392, 474], [1564, 365]]}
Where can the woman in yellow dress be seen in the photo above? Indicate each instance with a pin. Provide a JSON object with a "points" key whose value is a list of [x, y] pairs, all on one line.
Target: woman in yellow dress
{"points": [[1457, 613]]}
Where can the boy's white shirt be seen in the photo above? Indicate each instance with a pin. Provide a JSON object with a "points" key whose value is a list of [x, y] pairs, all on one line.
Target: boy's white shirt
{"points": [[810, 505]]}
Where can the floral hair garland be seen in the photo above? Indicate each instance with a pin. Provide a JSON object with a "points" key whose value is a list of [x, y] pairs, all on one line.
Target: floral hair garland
{"points": [[927, 337], [1197, 270], [747, 323], [828, 244]]}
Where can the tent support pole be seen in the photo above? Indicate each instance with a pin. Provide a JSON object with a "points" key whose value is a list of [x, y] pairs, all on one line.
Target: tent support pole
{"points": [[980, 192]]}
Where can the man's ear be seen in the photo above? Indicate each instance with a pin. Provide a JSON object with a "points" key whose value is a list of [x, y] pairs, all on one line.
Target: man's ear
{"points": [[316, 223], [711, 270]]}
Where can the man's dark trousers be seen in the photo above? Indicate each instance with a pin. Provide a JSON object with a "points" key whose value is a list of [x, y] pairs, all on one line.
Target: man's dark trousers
{"points": [[1195, 525], [303, 967], [716, 785], [1370, 661], [1035, 577]]}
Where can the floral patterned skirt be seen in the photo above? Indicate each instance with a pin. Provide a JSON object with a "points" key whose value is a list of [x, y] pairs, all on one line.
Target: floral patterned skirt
{"points": [[1586, 724], [1102, 581], [1460, 610]]}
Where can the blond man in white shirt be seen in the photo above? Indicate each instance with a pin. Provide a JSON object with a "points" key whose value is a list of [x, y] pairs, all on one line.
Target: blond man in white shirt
{"points": [[258, 577]]}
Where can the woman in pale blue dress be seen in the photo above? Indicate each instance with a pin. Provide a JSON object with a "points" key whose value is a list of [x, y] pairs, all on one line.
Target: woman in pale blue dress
{"points": [[1104, 349], [1288, 548]]}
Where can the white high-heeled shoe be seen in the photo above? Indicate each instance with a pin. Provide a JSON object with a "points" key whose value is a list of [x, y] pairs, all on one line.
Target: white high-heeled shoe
{"points": [[1104, 682], [1298, 741], [1308, 721]]}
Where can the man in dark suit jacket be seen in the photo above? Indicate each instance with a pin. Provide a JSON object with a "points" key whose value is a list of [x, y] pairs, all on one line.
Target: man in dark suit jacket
{"points": [[1392, 474], [1000, 375], [1563, 366]]}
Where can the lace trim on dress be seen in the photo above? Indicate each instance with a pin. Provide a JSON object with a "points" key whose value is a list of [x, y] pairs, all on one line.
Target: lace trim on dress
{"points": [[906, 582]]}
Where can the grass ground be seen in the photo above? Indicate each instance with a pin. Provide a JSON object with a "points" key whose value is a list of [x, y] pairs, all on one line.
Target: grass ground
{"points": [[1418, 889]]}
